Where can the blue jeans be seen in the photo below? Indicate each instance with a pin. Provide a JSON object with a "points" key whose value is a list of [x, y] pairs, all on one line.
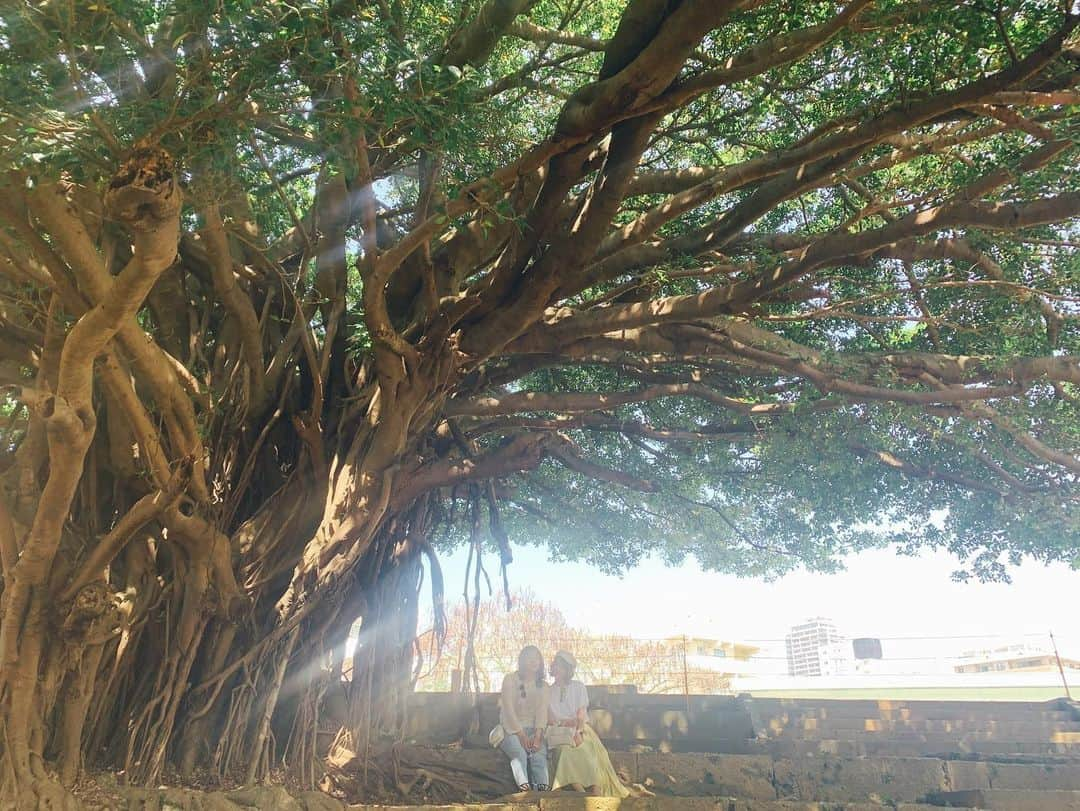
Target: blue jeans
{"points": [[524, 763]]}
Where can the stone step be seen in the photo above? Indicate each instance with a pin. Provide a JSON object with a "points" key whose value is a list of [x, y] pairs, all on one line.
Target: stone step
{"points": [[835, 779], [921, 746], [912, 736], [276, 798], [1021, 729], [914, 705], [560, 801], [579, 803], [911, 779], [1013, 776], [903, 735], [763, 777], [849, 714], [852, 745], [1004, 800], [1053, 711]]}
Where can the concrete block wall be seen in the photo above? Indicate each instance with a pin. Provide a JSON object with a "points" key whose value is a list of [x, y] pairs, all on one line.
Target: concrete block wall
{"points": [[626, 720], [622, 719]]}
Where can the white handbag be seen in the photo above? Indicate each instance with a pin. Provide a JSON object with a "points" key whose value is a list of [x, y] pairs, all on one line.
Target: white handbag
{"points": [[559, 736], [495, 737]]}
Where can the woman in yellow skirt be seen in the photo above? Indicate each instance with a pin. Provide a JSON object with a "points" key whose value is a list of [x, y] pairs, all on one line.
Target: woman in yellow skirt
{"points": [[584, 765]]}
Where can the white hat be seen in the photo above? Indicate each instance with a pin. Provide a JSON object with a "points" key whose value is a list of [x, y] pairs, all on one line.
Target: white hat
{"points": [[568, 659]]}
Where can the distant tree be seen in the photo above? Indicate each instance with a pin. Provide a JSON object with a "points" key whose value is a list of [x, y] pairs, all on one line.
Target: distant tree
{"points": [[652, 666]]}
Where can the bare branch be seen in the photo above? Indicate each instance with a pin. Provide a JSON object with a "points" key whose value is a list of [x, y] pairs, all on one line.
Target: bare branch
{"points": [[524, 29]]}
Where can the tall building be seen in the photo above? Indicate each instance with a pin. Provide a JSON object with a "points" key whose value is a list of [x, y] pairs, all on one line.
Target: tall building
{"points": [[816, 648]]}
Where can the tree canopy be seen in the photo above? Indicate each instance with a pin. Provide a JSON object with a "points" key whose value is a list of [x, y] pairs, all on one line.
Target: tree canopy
{"points": [[290, 292]]}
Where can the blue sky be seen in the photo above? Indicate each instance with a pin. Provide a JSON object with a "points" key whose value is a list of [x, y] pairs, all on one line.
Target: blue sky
{"points": [[879, 594]]}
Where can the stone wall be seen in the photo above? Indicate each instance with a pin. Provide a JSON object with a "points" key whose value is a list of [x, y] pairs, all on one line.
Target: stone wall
{"points": [[629, 721], [623, 718]]}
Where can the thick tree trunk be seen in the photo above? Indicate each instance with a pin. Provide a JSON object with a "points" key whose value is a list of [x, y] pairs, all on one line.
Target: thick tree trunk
{"points": [[197, 679]]}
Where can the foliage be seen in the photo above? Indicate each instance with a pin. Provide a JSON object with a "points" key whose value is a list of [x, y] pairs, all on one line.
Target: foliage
{"points": [[293, 295]]}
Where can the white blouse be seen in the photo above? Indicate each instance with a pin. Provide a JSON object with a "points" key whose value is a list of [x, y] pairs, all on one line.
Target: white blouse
{"points": [[566, 701], [522, 705]]}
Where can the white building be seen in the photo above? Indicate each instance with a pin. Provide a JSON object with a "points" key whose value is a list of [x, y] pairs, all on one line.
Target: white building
{"points": [[1013, 651], [816, 648]]}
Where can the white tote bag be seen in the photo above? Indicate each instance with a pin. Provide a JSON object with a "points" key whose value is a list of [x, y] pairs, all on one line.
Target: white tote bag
{"points": [[560, 736]]}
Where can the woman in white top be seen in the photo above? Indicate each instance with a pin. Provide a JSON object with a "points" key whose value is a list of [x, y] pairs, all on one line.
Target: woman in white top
{"points": [[523, 714], [583, 765]]}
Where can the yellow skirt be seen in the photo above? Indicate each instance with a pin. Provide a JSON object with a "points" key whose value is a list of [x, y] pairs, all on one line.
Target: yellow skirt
{"points": [[588, 765]]}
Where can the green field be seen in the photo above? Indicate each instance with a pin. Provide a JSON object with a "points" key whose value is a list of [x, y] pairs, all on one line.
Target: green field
{"points": [[923, 693]]}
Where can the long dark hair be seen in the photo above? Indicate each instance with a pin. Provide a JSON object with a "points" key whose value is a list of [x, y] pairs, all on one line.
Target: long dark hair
{"points": [[540, 674]]}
